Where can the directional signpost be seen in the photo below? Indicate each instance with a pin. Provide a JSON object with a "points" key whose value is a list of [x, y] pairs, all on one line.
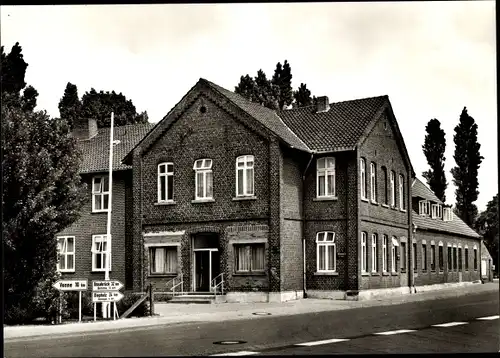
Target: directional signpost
{"points": [[73, 285], [105, 291]]}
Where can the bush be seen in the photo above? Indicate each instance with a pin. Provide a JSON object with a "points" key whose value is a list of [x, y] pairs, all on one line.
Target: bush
{"points": [[87, 304], [128, 300], [48, 301]]}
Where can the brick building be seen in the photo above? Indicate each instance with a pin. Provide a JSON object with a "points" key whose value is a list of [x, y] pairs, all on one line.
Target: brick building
{"points": [[313, 200]]}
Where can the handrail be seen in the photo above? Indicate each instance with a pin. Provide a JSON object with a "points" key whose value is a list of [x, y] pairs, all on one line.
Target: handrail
{"points": [[175, 285], [214, 285]]}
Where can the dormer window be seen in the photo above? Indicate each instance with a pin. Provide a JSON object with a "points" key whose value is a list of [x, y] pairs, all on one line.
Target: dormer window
{"points": [[447, 214], [436, 211], [424, 207]]}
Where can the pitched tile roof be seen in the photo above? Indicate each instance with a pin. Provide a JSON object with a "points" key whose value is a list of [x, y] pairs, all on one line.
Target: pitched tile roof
{"points": [[264, 115], [96, 150], [485, 253], [456, 226], [340, 128], [420, 190]]}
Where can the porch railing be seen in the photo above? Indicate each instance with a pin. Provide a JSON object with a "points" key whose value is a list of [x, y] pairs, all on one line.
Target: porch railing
{"points": [[218, 283], [176, 282]]}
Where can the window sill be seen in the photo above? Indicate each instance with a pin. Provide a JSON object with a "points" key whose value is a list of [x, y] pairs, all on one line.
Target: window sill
{"points": [[249, 274], [402, 210], [64, 271], [201, 201], [394, 273], [441, 272], [386, 274], [374, 202], [161, 275], [385, 206], [99, 271], [365, 199], [325, 198], [365, 274], [242, 198], [394, 208], [320, 273], [166, 203], [403, 270], [375, 274], [100, 211]]}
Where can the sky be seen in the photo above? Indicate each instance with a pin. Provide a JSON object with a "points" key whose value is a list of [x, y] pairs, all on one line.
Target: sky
{"points": [[431, 58]]}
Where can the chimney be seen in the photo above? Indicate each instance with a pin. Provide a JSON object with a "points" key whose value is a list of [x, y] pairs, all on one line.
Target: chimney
{"points": [[322, 104], [84, 128]]}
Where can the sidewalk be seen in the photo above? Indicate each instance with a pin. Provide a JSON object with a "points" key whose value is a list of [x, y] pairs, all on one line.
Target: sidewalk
{"points": [[168, 313]]}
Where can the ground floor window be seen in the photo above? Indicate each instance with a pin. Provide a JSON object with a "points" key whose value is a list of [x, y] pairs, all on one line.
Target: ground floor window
{"points": [[433, 257], [395, 244], [455, 261], [449, 258], [364, 253], [325, 251], [374, 253], [385, 253], [441, 257], [249, 258], [460, 258], [162, 260], [101, 250], [403, 256], [414, 248], [424, 257], [66, 252], [475, 258], [466, 254]]}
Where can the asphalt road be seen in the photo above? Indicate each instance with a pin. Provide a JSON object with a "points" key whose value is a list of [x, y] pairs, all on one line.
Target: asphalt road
{"points": [[312, 333]]}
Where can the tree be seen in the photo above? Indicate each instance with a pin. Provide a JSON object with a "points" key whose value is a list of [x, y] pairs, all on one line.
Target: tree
{"points": [[282, 78], [465, 173], [487, 226], [70, 107], [302, 96], [41, 195], [28, 100], [434, 147], [246, 88], [99, 105]]}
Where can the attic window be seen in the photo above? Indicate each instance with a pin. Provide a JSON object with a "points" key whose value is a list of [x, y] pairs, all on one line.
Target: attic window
{"points": [[424, 207], [437, 211], [447, 214]]}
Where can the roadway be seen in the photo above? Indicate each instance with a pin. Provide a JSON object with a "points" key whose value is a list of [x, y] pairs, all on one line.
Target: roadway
{"points": [[466, 323]]}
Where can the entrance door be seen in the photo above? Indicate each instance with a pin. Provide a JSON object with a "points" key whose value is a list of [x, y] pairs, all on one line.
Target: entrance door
{"points": [[202, 270]]}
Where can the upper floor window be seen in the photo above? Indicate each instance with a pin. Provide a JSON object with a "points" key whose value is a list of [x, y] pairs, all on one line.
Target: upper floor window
{"points": [[437, 211], [100, 193], [393, 189], [424, 207], [373, 182], [326, 251], [447, 214], [203, 179], [325, 177], [401, 193], [245, 175], [362, 168], [66, 252], [386, 184], [165, 182], [101, 251]]}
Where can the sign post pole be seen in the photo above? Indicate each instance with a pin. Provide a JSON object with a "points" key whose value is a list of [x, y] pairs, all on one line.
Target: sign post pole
{"points": [[95, 313], [79, 306]]}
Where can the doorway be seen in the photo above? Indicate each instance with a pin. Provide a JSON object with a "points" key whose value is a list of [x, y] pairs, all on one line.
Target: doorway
{"points": [[206, 261]]}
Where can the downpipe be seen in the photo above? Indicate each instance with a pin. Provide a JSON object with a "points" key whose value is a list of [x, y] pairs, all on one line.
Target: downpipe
{"points": [[304, 285]]}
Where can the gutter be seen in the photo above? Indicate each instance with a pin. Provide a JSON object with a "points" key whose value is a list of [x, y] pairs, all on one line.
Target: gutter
{"points": [[304, 285]]}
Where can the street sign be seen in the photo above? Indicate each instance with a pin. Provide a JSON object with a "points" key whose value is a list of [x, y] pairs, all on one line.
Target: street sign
{"points": [[106, 296], [71, 285], [106, 285]]}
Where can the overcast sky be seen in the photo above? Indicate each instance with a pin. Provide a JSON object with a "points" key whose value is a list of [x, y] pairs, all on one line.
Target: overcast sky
{"points": [[431, 58]]}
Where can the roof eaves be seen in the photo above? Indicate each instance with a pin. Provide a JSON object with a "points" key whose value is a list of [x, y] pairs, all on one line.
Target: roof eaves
{"points": [[307, 149]]}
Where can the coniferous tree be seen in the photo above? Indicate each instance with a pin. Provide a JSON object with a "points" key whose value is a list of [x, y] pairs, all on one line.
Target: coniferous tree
{"points": [[303, 96], [465, 173], [70, 107], [246, 88], [434, 148], [487, 226]]}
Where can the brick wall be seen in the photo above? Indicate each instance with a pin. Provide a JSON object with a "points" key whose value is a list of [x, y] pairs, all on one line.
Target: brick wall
{"points": [[95, 224], [432, 277]]}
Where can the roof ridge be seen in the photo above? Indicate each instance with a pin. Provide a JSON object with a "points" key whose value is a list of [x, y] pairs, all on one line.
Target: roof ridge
{"points": [[331, 103]]}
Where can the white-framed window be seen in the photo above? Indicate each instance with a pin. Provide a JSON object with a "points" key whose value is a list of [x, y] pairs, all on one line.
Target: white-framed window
{"points": [[203, 179], [325, 177], [374, 253], [433, 256], [66, 253], [403, 253], [326, 253], [364, 253], [394, 255], [424, 207], [393, 188], [386, 186], [373, 182], [101, 250], [385, 253], [362, 168], [436, 211], [401, 193], [245, 175], [475, 257], [165, 182], [100, 193], [441, 256], [447, 214], [162, 260], [249, 258]]}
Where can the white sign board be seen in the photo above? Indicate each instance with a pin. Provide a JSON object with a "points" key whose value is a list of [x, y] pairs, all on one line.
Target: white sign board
{"points": [[71, 285], [106, 285], [106, 296]]}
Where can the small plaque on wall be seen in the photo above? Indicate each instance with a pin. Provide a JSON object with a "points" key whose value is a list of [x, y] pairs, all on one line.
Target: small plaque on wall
{"points": [[341, 254]]}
